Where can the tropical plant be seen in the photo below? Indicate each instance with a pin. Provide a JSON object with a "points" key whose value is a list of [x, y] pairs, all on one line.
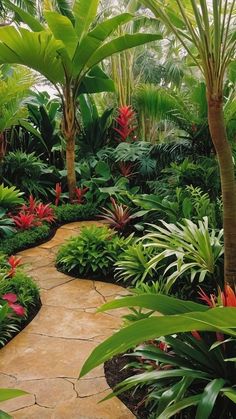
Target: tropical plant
{"points": [[27, 172], [8, 326], [6, 224], [125, 124], [67, 52], [188, 371], [95, 127], [118, 217], [43, 128], [206, 31], [10, 197], [15, 87], [133, 263], [196, 250], [93, 252]]}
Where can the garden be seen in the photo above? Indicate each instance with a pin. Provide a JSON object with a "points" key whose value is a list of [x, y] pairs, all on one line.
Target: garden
{"points": [[118, 209]]}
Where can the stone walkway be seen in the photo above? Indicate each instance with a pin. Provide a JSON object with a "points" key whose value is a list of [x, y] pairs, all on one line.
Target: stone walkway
{"points": [[46, 357]]}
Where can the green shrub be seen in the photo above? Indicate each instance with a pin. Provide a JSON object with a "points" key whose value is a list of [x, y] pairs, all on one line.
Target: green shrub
{"points": [[24, 239], [72, 212], [23, 286], [133, 264], [92, 253], [8, 325]]}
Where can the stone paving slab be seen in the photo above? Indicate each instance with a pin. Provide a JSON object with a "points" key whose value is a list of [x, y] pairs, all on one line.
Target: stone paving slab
{"points": [[46, 357]]}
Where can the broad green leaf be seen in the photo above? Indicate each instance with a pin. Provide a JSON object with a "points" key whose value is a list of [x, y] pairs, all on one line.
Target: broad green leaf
{"points": [[95, 39], [120, 44], [10, 393], [37, 50], [216, 319], [84, 12], [63, 30], [208, 399], [96, 81], [157, 302]]}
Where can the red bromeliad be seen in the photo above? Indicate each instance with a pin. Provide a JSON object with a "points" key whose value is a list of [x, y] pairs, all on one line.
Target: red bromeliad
{"points": [[24, 221], [126, 169], [118, 217], [80, 193], [44, 212], [11, 300], [125, 122], [58, 190], [30, 207], [14, 262], [225, 298]]}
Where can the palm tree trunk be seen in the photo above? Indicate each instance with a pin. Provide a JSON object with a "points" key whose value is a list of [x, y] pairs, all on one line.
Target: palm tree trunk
{"points": [[228, 185], [69, 129]]}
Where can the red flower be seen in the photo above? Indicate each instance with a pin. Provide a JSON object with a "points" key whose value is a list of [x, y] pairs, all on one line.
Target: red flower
{"points": [[11, 299], [58, 190], [125, 122], [211, 301], [196, 335], [228, 297], [13, 262]]}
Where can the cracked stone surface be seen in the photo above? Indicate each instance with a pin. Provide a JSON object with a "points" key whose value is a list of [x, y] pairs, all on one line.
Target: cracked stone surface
{"points": [[46, 357]]}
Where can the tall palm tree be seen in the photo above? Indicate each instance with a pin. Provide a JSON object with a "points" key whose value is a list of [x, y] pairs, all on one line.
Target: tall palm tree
{"points": [[66, 50], [206, 29]]}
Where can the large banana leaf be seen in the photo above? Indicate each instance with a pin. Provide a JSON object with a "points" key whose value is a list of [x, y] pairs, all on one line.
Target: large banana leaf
{"points": [[217, 319], [36, 50], [84, 12]]}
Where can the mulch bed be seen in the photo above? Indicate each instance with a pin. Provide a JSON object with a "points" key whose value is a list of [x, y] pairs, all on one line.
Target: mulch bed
{"points": [[134, 400]]}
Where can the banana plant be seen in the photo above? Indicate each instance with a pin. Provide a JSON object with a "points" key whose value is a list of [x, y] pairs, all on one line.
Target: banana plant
{"points": [[67, 50], [206, 30]]}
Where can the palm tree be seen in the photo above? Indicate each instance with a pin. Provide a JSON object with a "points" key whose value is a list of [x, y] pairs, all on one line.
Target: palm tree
{"points": [[66, 50], [205, 29]]}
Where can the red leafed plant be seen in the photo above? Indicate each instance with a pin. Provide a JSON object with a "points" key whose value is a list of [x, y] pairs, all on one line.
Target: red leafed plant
{"points": [[126, 169], [125, 123], [118, 217], [11, 300], [44, 212], [14, 262], [31, 206], [80, 193], [24, 221]]}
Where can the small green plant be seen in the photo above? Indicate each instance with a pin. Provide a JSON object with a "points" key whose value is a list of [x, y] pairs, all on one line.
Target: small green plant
{"points": [[92, 253], [10, 197], [133, 264]]}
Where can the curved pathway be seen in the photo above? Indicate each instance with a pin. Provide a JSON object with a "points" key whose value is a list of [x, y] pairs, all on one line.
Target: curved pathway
{"points": [[46, 357]]}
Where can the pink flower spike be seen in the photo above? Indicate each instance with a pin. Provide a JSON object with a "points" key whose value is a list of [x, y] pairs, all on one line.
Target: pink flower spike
{"points": [[10, 297], [18, 309]]}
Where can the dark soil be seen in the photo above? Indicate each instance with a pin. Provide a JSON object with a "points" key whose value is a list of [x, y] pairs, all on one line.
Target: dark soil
{"points": [[134, 400]]}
